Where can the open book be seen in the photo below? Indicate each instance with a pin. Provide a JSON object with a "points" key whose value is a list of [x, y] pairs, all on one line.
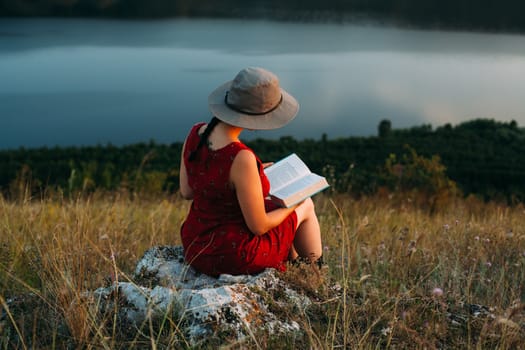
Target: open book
{"points": [[291, 181]]}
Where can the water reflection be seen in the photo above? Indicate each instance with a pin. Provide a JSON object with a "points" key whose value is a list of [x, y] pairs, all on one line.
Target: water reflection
{"points": [[247, 37], [87, 82]]}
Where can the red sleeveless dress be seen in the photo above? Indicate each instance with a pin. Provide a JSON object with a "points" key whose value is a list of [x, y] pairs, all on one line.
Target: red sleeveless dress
{"points": [[215, 236]]}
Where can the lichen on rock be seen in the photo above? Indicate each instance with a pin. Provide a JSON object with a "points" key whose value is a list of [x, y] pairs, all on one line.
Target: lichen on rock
{"points": [[164, 287]]}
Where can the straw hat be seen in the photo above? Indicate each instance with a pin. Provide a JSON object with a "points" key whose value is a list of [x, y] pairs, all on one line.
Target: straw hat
{"points": [[253, 100]]}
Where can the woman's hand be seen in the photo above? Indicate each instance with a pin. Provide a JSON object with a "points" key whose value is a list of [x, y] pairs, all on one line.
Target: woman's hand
{"points": [[267, 164]]}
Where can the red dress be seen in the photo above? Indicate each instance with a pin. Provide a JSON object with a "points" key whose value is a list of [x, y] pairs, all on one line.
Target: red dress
{"points": [[215, 236]]}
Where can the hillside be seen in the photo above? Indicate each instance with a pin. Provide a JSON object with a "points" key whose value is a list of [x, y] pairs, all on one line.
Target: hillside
{"points": [[490, 15], [484, 157]]}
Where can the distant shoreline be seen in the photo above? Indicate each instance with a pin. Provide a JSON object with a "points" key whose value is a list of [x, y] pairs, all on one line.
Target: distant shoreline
{"points": [[444, 15], [323, 137]]}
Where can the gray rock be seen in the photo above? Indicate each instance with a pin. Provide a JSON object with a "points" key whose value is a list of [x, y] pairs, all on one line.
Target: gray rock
{"points": [[163, 286]]}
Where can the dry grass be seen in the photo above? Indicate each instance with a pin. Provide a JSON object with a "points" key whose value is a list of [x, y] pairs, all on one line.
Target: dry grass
{"points": [[405, 278], [57, 249]]}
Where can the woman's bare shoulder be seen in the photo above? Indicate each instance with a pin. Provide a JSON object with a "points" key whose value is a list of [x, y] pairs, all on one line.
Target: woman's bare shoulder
{"points": [[245, 157]]}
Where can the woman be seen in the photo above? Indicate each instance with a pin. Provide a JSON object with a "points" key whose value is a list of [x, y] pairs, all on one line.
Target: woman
{"points": [[232, 227]]}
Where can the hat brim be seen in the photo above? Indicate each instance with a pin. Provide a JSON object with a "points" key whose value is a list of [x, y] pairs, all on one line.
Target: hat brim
{"points": [[280, 116]]}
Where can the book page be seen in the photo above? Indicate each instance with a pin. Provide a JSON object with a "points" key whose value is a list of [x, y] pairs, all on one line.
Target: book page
{"points": [[285, 171], [299, 186]]}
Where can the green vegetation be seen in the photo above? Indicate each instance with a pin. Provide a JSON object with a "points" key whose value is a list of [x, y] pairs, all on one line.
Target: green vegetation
{"points": [[481, 157], [485, 14], [406, 278], [415, 259]]}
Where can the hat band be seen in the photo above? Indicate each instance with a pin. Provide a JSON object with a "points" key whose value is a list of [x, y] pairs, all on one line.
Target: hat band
{"points": [[251, 113]]}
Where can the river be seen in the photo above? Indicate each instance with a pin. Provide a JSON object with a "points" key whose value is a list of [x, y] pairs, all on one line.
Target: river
{"points": [[72, 82]]}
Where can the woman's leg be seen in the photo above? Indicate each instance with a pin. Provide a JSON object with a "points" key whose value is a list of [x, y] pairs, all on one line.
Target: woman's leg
{"points": [[307, 242]]}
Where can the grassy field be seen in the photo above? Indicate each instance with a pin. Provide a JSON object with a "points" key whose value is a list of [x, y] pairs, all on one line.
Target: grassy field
{"points": [[408, 279]]}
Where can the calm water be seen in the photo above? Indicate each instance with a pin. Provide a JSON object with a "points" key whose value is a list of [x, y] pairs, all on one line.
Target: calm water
{"points": [[83, 82]]}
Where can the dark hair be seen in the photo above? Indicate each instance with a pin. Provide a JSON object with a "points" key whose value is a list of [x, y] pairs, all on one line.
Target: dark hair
{"points": [[204, 137]]}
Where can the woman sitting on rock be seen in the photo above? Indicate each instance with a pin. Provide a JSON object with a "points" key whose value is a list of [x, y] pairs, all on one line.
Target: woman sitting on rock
{"points": [[232, 227]]}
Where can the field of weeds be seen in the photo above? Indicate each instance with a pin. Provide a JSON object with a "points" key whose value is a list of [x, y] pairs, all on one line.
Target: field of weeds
{"points": [[407, 278]]}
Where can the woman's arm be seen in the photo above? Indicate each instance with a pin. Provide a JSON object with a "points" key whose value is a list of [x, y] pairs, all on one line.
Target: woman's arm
{"points": [[244, 175], [185, 189]]}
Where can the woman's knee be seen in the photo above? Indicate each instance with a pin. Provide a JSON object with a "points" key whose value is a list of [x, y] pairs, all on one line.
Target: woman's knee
{"points": [[305, 210]]}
